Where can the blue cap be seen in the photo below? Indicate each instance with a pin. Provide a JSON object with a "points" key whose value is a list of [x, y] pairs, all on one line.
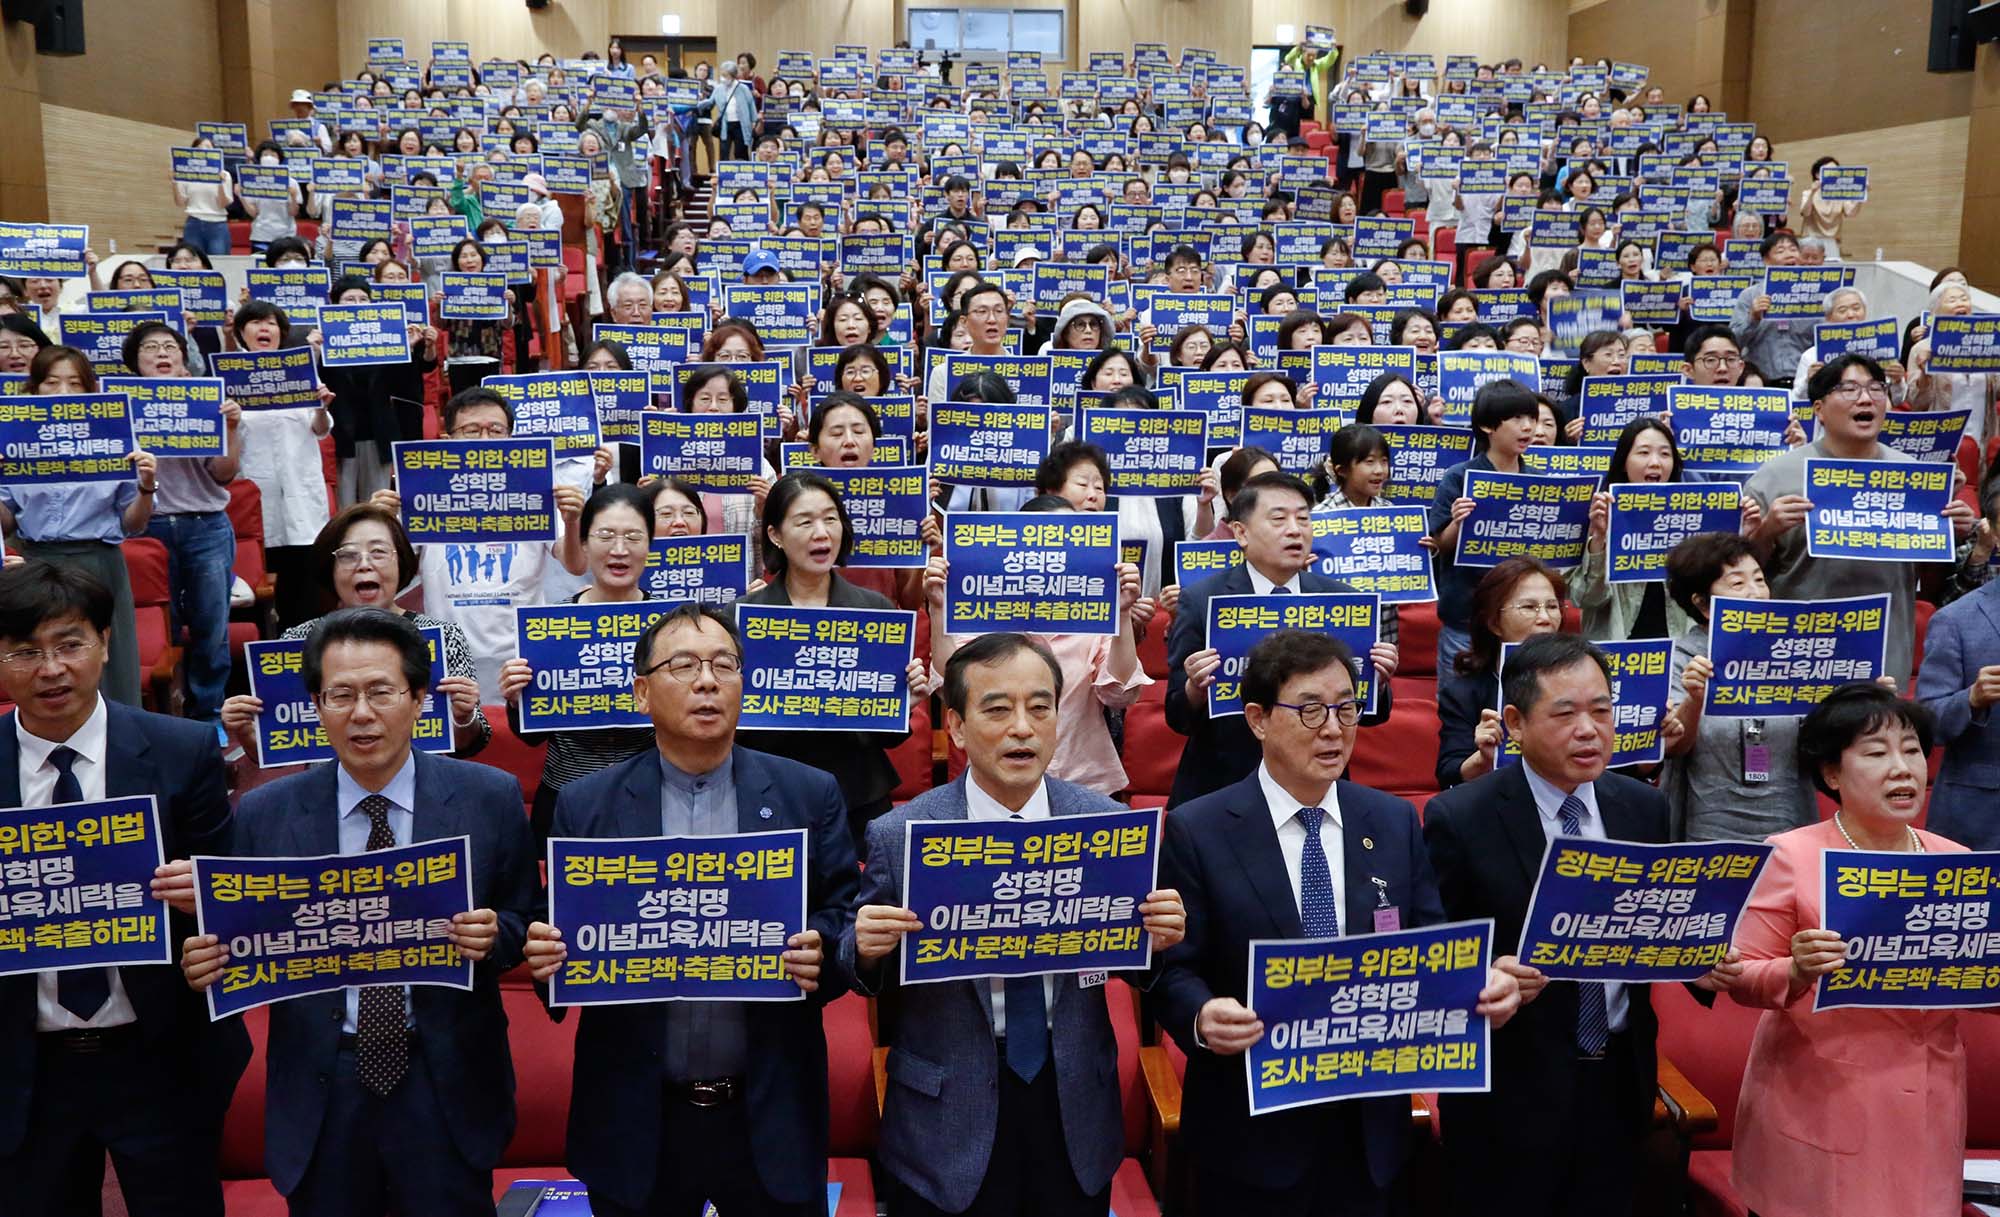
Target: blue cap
{"points": [[759, 260]]}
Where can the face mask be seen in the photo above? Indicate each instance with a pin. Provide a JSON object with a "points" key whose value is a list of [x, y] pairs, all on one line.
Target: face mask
{"points": [[270, 160], [1427, 128]]}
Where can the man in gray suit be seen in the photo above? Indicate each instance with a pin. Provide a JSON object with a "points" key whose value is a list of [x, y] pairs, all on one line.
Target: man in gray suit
{"points": [[993, 1083]]}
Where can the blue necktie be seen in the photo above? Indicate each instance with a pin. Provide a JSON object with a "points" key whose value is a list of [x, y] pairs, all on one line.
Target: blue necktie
{"points": [[1593, 1017], [1319, 913], [1027, 1023], [81, 991]]}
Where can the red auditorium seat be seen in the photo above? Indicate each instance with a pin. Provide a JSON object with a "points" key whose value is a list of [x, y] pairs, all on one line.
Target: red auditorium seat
{"points": [[1400, 755], [1152, 749], [1417, 641], [159, 660], [1318, 141], [1392, 202], [1153, 647], [1132, 1194], [913, 758], [246, 520], [507, 751], [1444, 244]]}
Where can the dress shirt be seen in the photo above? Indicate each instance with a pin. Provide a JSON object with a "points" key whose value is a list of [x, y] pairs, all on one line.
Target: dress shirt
{"points": [[982, 806], [38, 788], [1261, 586], [401, 791], [1292, 840], [71, 511], [706, 1040], [1549, 801]]}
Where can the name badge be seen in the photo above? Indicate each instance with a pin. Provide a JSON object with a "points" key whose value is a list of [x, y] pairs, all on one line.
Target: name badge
{"points": [[1091, 980], [1388, 919]]}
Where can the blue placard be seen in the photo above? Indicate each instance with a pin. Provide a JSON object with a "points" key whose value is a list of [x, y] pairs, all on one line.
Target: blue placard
{"points": [[1461, 374], [723, 453], [1027, 375], [76, 887], [230, 138], [1419, 457], [1198, 560], [1641, 671], [1844, 184], [1219, 395], [1238, 623], [881, 253], [1638, 914], [1780, 657], [474, 295], [204, 294], [101, 336], [1376, 549], [1579, 314], [333, 175], [65, 437], [288, 730], [1918, 929], [657, 349], [299, 290], [173, 415], [298, 926], [1524, 515], [987, 443], [560, 406], [43, 251], [1341, 373], [1925, 435], [825, 669], [704, 569], [1499, 305], [1607, 403], [1298, 438], [1028, 897], [648, 919], [1878, 511], [1798, 293], [1170, 312], [1381, 236], [1877, 339], [359, 335], [269, 380], [1035, 572], [785, 314], [620, 396], [265, 184], [436, 236], [471, 491], [1552, 226], [1055, 280], [886, 504], [413, 297], [165, 301], [1369, 1015], [196, 166], [1648, 520], [1726, 429], [1153, 453], [355, 221], [581, 656], [1765, 195], [1652, 304], [1968, 345], [1712, 298]]}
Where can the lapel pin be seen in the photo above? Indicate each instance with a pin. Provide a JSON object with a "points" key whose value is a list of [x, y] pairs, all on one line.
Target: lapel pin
{"points": [[763, 813], [1368, 843]]}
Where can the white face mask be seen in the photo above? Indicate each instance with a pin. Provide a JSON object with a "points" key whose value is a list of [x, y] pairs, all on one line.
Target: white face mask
{"points": [[270, 160], [1427, 128]]}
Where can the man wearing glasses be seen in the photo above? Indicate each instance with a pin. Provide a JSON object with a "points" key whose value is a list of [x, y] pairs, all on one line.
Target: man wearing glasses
{"points": [[1712, 357], [677, 1103], [1291, 851], [1849, 398], [384, 1098]]}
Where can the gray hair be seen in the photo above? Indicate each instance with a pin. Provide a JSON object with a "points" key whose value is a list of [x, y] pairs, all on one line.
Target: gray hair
{"points": [[1832, 299], [626, 281], [726, 68]]}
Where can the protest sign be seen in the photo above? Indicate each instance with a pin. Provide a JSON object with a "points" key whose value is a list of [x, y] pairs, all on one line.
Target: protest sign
{"points": [[269, 380], [1028, 897], [987, 443], [1298, 438], [784, 313], [825, 669], [293, 927], [44, 251], [1712, 298], [1027, 375], [1641, 671], [618, 397], [204, 294], [1369, 1015], [1652, 304], [659, 348], [1219, 395], [1924, 435], [1531, 515], [1376, 549], [581, 656], [1573, 317], [1918, 929], [1798, 293], [65, 437], [1419, 457], [195, 166], [1461, 374], [1198, 560], [472, 295], [723, 453], [413, 297], [1782, 657], [1035, 572], [1171, 312], [288, 730], [358, 335], [1878, 511], [1967, 345], [1607, 403], [1340, 374], [1153, 453], [164, 301], [1877, 339], [299, 290], [649, 919], [704, 569], [1649, 518], [1843, 184], [101, 336], [1639, 914], [477, 490], [1238, 623], [173, 415], [559, 406], [886, 505], [76, 886], [1727, 429]]}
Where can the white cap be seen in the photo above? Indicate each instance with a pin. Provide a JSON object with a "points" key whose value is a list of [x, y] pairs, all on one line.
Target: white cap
{"points": [[302, 95], [1028, 254]]}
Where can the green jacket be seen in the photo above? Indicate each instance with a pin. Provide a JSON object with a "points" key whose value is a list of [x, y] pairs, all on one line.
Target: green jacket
{"points": [[1320, 76]]}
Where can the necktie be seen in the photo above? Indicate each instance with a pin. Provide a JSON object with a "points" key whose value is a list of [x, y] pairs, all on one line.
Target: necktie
{"points": [[1027, 1023], [1279, 589], [1593, 1017], [81, 991], [381, 1040], [1319, 913]]}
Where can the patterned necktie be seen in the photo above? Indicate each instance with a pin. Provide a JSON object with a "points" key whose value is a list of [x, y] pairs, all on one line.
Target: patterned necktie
{"points": [[1593, 1017], [381, 1036], [1319, 913], [81, 991], [1027, 1023]]}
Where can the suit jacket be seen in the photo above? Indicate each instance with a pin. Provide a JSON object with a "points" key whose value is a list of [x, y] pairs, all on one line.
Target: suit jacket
{"points": [[462, 1034], [620, 1080], [175, 761], [1221, 750], [1486, 845], [1222, 855], [1964, 636], [1460, 699], [939, 1118]]}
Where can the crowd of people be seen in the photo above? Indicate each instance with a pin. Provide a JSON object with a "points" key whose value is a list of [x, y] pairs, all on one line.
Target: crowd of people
{"points": [[1000, 1098]]}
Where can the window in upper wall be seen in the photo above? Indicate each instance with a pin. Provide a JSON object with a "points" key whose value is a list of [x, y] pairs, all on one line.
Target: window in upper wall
{"points": [[989, 33]]}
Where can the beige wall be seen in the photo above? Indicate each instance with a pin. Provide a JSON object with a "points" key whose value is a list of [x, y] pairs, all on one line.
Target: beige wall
{"points": [[1535, 30], [1819, 68], [1916, 187], [111, 173], [162, 65]]}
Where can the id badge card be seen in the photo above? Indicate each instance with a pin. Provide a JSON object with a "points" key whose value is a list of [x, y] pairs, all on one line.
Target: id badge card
{"points": [[1756, 754]]}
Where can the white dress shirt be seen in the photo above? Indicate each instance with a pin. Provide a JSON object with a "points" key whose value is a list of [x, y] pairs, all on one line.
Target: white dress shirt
{"points": [[352, 835], [38, 788], [1260, 586], [982, 806], [1292, 840], [1549, 801]]}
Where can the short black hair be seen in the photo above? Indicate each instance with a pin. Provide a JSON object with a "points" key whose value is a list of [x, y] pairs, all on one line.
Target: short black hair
{"points": [[1521, 679], [1628, 439], [1498, 401], [700, 374], [1283, 654], [1847, 714], [477, 395], [129, 350], [1703, 334], [284, 246], [261, 310], [1821, 384], [1244, 505], [1366, 281], [1698, 561], [991, 650], [688, 612], [37, 592], [835, 400], [1055, 467], [617, 494], [365, 625], [786, 491]]}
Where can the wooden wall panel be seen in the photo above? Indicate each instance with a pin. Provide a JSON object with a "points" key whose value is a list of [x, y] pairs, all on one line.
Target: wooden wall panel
{"points": [[765, 27], [1629, 30], [1916, 187], [111, 173], [305, 36], [1821, 69], [160, 65]]}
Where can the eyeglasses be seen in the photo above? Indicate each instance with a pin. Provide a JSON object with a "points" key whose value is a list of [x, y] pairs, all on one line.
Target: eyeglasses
{"points": [[1537, 608], [348, 556], [1855, 390], [633, 538], [379, 697], [480, 431], [1313, 714], [68, 654], [987, 314], [685, 667], [1712, 362], [158, 346]]}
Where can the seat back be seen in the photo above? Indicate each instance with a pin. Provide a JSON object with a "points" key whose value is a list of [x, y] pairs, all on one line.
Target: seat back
{"points": [[915, 766], [146, 567], [1123, 1006], [853, 1121], [1152, 749], [1709, 1046], [506, 750], [243, 1126], [544, 1053], [1399, 756], [1417, 639]]}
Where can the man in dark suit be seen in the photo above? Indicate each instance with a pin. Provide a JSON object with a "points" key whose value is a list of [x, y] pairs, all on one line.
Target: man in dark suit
{"points": [[383, 1098], [95, 1059], [1272, 519], [1003, 1095], [1574, 1076], [675, 1103], [1290, 852]]}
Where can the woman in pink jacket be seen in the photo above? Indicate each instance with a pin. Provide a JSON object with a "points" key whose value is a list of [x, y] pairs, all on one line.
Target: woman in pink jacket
{"points": [[1848, 1111]]}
